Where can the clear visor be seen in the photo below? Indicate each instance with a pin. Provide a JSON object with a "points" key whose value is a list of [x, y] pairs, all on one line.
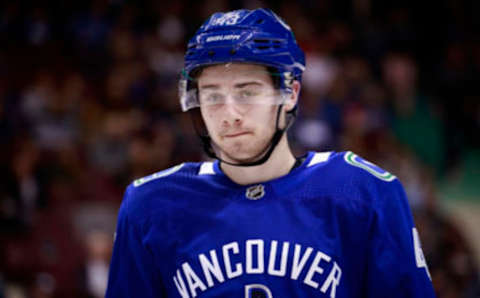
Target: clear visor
{"points": [[223, 87]]}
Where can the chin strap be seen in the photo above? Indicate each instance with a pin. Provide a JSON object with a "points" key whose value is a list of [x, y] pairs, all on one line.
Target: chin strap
{"points": [[263, 156]]}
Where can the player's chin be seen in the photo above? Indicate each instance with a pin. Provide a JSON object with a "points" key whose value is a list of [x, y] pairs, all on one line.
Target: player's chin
{"points": [[241, 155]]}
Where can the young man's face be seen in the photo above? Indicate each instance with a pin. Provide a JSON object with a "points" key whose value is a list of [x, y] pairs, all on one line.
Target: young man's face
{"points": [[239, 105]]}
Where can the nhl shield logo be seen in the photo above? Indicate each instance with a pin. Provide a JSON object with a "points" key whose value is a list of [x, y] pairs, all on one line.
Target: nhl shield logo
{"points": [[255, 192]]}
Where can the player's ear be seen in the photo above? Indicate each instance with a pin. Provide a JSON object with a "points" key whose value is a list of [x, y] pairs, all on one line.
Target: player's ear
{"points": [[293, 98]]}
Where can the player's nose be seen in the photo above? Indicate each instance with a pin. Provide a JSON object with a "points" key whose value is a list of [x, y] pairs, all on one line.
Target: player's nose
{"points": [[232, 114]]}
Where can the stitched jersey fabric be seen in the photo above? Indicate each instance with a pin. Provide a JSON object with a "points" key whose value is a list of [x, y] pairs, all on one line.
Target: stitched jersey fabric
{"points": [[336, 226]]}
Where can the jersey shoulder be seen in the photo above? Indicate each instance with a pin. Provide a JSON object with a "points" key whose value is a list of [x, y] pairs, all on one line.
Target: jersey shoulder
{"points": [[349, 174], [347, 164], [155, 192], [164, 178], [152, 177], [358, 162]]}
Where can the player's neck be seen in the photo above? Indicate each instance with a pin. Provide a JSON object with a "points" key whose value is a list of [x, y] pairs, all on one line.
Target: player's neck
{"points": [[279, 164]]}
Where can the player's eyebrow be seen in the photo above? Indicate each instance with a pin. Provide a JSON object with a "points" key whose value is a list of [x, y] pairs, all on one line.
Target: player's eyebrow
{"points": [[237, 86], [245, 84], [209, 86]]}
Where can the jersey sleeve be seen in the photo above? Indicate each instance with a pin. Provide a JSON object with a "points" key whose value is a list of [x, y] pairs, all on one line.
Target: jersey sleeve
{"points": [[396, 265], [132, 272]]}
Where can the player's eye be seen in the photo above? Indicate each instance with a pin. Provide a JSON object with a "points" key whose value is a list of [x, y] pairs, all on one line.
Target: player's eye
{"points": [[247, 96], [212, 98]]}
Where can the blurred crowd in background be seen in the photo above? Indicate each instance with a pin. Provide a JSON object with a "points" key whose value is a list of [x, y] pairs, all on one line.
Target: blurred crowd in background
{"points": [[88, 102]]}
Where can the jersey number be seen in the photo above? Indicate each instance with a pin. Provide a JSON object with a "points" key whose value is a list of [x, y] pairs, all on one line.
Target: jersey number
{"points": [[257, 291], [356, 161]]}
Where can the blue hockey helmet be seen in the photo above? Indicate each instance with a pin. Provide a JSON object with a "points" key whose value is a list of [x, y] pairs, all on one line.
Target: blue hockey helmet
{"points": [[245, 36]]}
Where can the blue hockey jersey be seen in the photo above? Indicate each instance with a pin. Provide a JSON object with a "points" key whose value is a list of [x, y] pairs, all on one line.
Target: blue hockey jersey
{"points": [[336, 226]]}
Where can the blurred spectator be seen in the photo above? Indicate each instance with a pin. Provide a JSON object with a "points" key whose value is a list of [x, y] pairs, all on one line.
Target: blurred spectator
{"points": [[24, 190], [44, 286], [95, 268], [52, 117], [38, 27], [91, 28], [415, 122]]}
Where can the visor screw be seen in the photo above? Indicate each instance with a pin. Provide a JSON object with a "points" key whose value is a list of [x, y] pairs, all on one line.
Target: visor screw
{"points": [[211, 53], [233, 51]]}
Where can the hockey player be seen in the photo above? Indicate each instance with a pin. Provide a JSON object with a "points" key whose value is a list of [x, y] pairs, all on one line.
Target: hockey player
{"points": [[257, 221]]}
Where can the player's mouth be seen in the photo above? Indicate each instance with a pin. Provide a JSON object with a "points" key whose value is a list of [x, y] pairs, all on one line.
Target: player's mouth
{"points": [[237, 134]]}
